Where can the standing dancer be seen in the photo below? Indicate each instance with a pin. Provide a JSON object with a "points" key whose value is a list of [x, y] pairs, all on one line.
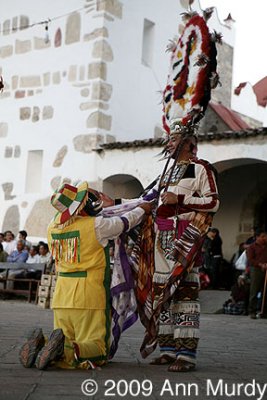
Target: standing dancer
{"points": [[166, 261], [188, 198], [182, 219]]}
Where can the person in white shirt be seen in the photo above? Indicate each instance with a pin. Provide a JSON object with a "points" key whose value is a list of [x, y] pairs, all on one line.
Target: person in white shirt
{"points": [[23, 236], [34, 257], [9, 243], [44, 254]]}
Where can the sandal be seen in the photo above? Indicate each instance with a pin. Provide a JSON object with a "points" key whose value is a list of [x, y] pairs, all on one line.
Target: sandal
{"points": [[181, 366], [162, 360]]}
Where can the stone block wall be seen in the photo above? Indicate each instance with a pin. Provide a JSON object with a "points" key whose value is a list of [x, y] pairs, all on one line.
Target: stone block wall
{"points": [[93, 76], [212, 123], [87, 76], [223, 93]]}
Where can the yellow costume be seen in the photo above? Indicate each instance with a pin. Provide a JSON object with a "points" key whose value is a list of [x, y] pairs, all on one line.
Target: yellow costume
{"points": [[78, 238], [81, 300]]}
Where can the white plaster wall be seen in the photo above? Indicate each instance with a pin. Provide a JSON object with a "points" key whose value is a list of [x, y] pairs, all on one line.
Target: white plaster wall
{"points": [[68, 121], [234, 183], [221, 150], [134, 105], [136, 102], [143, 164]]}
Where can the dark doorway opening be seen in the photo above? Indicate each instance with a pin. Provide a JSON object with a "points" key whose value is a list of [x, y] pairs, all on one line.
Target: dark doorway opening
{"points": [[262, 215]]}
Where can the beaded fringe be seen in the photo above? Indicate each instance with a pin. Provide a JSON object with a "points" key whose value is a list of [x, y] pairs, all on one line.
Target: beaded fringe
{"points": [[186, 333], [187, 307], [71, 248], [166, 329]]}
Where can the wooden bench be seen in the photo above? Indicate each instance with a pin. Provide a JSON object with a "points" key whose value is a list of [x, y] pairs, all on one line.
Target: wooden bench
{"points": [[32, 283]]}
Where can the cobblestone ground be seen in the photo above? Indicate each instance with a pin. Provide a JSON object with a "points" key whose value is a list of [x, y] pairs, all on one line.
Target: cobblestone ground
{"points": [[232, 351]]}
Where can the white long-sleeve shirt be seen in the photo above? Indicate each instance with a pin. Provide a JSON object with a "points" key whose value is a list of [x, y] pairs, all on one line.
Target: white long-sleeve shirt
{"points": [[195, 191], [9, 247], [109, 228], [33, 259]]}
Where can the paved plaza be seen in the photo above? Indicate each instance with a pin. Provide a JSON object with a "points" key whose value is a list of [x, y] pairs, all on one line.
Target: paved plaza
{"points": [[231, 363]]}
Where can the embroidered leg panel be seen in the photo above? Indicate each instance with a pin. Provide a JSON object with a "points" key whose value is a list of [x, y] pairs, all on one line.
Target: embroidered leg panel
{"points": [[165, 337], [185, 312]]}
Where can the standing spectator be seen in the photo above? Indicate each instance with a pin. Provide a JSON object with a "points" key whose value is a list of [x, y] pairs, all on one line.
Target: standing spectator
{"points": [[23, 236], [3, 254], [239, 260], [238, 253], [34, 257], [9, 243], [207, 255], [257, 258], [19, 255], [252, 238], [2, 237], [216, 253]]}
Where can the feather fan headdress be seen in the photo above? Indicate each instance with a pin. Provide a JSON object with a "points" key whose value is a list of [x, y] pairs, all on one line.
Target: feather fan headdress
{"points": [[192, 75]]}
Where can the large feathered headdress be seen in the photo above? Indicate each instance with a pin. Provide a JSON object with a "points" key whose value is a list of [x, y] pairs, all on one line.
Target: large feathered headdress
{"points": [[192, 75]]}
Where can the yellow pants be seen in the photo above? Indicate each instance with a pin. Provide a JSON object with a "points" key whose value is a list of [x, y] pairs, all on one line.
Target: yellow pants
{"points": [[89, 330]]}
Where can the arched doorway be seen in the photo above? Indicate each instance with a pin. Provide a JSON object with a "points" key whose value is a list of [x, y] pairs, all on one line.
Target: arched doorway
{"points": [[122, 186], [242, 188]]}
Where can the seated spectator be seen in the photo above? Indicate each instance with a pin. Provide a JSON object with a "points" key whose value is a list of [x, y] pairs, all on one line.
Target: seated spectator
{"points": [[3, 254], [28, 248], [204, 279], [45, 256], [34, 257], [2, 237], [238, 303], [19, 255], [9, 243], [22, 236]]}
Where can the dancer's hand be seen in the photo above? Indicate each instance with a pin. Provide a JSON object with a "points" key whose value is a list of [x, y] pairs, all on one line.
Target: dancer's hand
{"points": [[169, 198], [147, 207], [107, 201]]}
